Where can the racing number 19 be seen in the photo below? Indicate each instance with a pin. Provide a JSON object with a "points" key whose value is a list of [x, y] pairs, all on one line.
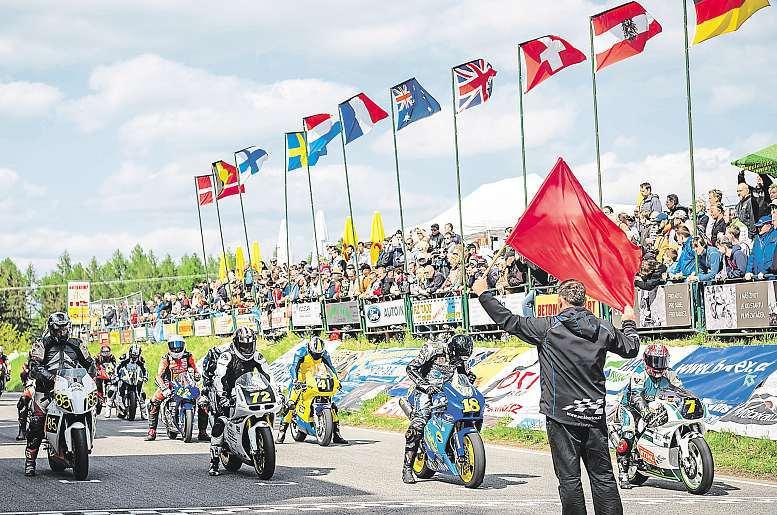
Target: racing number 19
{"points": [[471, 405]]}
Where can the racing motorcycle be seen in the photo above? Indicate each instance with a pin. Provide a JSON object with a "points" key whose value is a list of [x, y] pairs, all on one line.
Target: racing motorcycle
{"points": [[3, 376], [674, 448], [105, 374], [248, 430], [313, 414], [180, 406], [451, 443], [70, 422], [129, 392]]}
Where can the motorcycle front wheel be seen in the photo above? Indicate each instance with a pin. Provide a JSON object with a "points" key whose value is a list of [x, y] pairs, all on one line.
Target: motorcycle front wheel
{"points": [[298, 434], [473, 469], [80, 454], [324, 427], [132, 405], [420, 469], [264, 456], [699, 470]]}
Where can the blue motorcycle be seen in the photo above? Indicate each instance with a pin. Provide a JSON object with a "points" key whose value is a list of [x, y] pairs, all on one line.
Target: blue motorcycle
{"points": [[451, 443], [179, 408]]}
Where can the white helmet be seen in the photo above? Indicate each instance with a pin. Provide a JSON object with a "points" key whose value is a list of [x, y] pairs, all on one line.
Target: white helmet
{"points": [[176, 346]]}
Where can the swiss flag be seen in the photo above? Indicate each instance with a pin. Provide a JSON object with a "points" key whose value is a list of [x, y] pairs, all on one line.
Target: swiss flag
{"points": [[621, 33], [565, 233], [546, 56], [204, 189]]}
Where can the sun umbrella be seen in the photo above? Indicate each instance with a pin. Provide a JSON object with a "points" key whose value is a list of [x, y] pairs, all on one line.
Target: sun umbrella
{"points": [[349, 236], [223, 267], [377, 235], [240, 263], [256, 256], [763, 161]]}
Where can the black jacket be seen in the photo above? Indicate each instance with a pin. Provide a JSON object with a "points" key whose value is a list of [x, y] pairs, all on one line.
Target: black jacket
{"points": [[433, 356], [759, 193], [747, 212], [48, 355], [229, 368], [572, 347]]}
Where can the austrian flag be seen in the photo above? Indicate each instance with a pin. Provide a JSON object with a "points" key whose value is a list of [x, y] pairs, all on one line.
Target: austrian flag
{"points": [[621, 33]]}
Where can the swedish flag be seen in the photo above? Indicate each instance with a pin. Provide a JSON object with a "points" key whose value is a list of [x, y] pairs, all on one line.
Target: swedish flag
{"points": [[296, 151]]}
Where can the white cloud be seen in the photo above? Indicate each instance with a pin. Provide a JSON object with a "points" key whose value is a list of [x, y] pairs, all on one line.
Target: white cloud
{"points": [[727, 97], [27, 98]]}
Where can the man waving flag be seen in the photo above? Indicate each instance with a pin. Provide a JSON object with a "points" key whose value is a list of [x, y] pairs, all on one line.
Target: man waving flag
{"points": [[716, 17], [622, 32], [546, 56]]}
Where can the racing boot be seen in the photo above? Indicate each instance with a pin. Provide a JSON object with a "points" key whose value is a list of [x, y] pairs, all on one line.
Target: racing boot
{"points": [[151, 435], [30, 455], [153, 420], [202, 424], [407, 475], [336, 436], [281, 432], [215, 450]]}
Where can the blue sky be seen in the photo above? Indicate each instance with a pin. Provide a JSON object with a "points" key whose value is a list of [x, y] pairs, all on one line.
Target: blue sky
{"points": [[110, 108]]}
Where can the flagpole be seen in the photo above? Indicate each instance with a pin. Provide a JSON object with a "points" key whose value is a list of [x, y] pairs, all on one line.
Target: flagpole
{"points": [[313, 212], [202, 235], [399, 187], [690, 129], [286, 205], [242, 210], [221, 231], [523, 158], [596, 113], [464, 289], [350, 206]]}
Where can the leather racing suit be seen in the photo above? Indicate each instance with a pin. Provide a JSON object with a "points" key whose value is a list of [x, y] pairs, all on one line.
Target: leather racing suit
{"points": [[303, 363], [169, 369]]}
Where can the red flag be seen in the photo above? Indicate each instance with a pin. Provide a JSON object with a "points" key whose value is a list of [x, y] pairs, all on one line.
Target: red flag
{"points": [[227, 180], [565, 233], [621, 33], [204, 189], [547, 56]]}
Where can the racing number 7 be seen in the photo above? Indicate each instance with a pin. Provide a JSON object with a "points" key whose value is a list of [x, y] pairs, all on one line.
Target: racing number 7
{"points": [[691, 403], [471, 405]]}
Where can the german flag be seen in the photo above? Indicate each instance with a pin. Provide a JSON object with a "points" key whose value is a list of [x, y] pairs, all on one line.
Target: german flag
{"points": [[716, 17]]}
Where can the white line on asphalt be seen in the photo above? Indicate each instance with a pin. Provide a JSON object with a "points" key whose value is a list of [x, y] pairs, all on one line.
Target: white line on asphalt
{"points": [[745, 481]]}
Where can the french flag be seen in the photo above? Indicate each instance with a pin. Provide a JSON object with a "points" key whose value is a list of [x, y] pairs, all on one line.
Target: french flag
{"points": [[359, 115], [321, 129]]}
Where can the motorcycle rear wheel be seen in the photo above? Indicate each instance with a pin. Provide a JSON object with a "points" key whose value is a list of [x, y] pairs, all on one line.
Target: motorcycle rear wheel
{"points": [[298, 434], [324, 427], [230, 462], [188, 425], [264, 458], [474, 470], [420, 469], [80, 455], [700, 452]]}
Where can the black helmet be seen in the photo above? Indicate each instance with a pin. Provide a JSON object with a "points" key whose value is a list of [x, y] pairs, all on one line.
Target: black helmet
{"points": [[316, 347], [244, 343], [105, 351], [134, 352], [59, 326], [460, 346]]}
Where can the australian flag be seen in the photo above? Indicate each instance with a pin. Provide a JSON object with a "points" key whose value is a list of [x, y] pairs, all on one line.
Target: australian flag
{"points": [[473, 83], [413, 102]]}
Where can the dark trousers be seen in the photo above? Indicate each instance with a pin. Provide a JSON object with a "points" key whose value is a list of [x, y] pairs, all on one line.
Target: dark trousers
{"points": [[568, 444]]}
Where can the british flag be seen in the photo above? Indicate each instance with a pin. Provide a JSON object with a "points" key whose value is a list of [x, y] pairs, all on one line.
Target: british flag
{"points": [[474, 81]]}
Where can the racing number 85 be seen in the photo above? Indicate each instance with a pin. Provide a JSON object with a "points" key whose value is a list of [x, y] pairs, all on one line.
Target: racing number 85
{"points": [[471, 405]]}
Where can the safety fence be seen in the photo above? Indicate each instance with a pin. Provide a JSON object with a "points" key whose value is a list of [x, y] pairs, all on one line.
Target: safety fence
{"points": [[674, 308], [738, 385]]}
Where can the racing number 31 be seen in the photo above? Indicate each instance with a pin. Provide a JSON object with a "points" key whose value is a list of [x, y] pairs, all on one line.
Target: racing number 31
{"points": [[471, 405]]}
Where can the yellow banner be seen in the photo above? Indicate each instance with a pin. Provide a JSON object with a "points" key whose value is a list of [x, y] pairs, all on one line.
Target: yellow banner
{"points": [[548, 305], [186, 327]]}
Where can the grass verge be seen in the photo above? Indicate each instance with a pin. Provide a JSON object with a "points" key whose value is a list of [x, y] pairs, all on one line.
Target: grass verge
{"points": [[733, 454]]}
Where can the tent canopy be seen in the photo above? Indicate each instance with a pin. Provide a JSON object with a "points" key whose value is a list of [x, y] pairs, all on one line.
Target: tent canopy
{"points": [[763, 161]]}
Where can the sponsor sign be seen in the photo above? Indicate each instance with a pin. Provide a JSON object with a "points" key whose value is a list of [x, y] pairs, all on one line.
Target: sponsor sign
{"points": [[306, 314], [78, 302], [170, 329], [126, 336], [740, 306], [104, 338], [140, 333], [757, 416], [223, 325], [279, 319], [382, 314], [548, 305], [725, 377], [665, 306], [114, 338], [202, 328], [478, 316], [437, 311], [186, 327], [342, 313], [246, 320]]}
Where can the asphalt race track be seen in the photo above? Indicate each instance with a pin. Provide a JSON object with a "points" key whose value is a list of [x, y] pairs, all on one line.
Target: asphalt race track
{"points": [[130, 476]]}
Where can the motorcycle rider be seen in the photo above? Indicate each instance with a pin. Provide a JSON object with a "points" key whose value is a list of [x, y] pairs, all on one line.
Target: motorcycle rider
{"points": [[309, 356], [25, 399], [133, 355], [435, 363], [209, 363], [4, 367], [174, 363], [47, 356], [104, 358], [239, 358], [651, 377]]}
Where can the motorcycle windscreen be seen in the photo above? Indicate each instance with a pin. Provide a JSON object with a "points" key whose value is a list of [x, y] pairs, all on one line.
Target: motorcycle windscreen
{"points": [[255, 388], [322, 377]]}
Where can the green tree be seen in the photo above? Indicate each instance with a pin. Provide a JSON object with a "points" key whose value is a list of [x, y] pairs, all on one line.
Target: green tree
{"points": [[15, 305]]}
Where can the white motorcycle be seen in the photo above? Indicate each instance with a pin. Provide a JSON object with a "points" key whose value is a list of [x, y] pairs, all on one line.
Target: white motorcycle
{"points": [[70, 421], [675, 447], [248, 434]]}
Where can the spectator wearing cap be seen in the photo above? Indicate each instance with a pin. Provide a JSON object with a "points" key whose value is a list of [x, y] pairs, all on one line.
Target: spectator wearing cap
{"points": [[759, 192], [436, 238], [651, 274], [734, 260], [716, 228], [747, 209], [761, 260], [710, 262]]}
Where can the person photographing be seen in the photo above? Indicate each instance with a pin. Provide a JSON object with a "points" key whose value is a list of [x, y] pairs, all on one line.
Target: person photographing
{"points": [[572, 347]]}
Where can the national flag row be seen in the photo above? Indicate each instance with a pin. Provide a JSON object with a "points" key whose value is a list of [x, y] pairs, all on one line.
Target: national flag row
{"points": [[618, 33]]}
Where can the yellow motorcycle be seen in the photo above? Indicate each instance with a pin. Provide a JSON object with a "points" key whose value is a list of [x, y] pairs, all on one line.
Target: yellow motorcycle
{"points": [[314, 413]]}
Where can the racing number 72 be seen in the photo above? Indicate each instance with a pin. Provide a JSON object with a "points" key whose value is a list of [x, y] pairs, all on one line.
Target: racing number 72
{"points": [[471, 405]]}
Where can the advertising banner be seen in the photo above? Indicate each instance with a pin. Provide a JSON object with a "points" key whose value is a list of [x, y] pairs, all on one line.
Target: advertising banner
{"points": [[223, 325], [104, 338], [202, 328], [78, 302], [264, 320], [383, 314], [437, 311], [246, 320], [279, 319], [186, 327], [479, 317], [725, 377], [342, 313], [740, 306], [170, 329], [757, 416], [139, 333], [126, 336], [114, 338], [669, 305], [306, 314], [547, 305], [515, 392]]}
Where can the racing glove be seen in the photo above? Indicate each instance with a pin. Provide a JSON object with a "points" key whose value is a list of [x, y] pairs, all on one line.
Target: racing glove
{"points": [[472, 377], [225, 403], [431, 389]]}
